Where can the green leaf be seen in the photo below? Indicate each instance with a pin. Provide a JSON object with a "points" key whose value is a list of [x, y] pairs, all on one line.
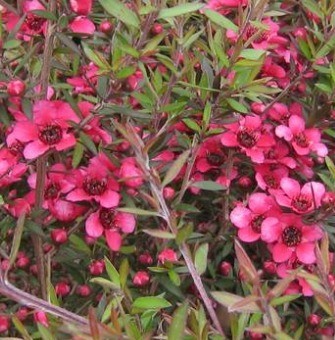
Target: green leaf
{"points": [[124, 272], [77, 156], [175, 168], [177, 326], [17, 239], [174, 277], [79, 244], [192, 124], [227, 299], [313, 7], [112, 273], [184, 233], [151, 302], [137, 211], [252, 54], [208, 185], [52, 294], [106, 284], [45, 332], [121, 12], [166, 13], [96, 57], [44, 14], [330, 166], [284, 299], [237, 106], [220, 20], [200, 258], [87, 141], [328, 47], [159, 233], [10, 44], [207, 114], [68, 42], [20, 327]]}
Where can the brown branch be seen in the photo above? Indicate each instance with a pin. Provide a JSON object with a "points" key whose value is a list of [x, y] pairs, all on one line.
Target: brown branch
{"points": [[9, 7], [41, 162]]}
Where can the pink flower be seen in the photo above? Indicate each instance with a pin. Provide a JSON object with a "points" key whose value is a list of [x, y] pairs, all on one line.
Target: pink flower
{"points": [[303, 140], [268, 177], [289, 236], [65, 211], [93, 127], [167, 255], [11, 170], [81, 7], [130, 174], [86, 81], [248, 134], [300, 200], [82, 25], [250, 221], [111, 223], [48, 130], [94, 183]]}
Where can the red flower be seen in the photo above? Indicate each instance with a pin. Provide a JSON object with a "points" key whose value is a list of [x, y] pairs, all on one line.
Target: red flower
{"points": [[111, 223], [248, 133], [48, 130], [289, 236], [81, 7], [303, 140], [300, 200], [250, 221]]}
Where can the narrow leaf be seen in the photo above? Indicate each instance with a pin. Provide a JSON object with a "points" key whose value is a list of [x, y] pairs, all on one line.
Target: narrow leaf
{"points": [[166, 13], [200, 259], [177, 327], [220, 20], [159, 233], [17, 239], [175, 168], [151, 302]]}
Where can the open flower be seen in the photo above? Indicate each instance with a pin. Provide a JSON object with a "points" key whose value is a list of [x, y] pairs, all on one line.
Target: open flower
{"points": [[249, 134], [48, 130], [302, 140], [251, 220], [288, 236], [300, 200], [111, 223]]}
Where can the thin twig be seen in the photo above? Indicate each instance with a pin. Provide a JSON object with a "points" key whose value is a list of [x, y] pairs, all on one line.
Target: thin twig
{"points": [[9, 7]]}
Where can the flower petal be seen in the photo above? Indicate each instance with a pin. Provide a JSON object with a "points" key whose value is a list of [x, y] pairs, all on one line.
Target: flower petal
{"points": [[93, 226], [281, 252], [305, 253], [109, 199], [125, 221], [290, 186], [114, 240], [35, 149], [240, 217]]}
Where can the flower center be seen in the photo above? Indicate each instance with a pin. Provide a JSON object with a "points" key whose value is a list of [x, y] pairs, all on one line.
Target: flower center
{"points": [[51, 191], [94, 186], [301, 203], [213, 174], [16, 148], [34, 23], [301, 140], [291, 236], [50, 134], [271, 181], [106, 217], [261, 35], [247, 137], [214, 159], [256, 223]]}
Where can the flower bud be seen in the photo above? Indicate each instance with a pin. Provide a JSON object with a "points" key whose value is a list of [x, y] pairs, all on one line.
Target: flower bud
{"points": [[314, 320], [105, 27], [62, 289], [16, 88], [244, 181], [270, 267], [157, 28], [81, 7], [141, 279], [4, 323], [225, 268], [97, 267], [83, 290], [41, 317], [167, 255], [145, 259], [168, 193], [59, 236], [22, 313]]}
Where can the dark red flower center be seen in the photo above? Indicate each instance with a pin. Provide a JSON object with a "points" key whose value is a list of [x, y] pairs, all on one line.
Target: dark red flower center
{"points": [[51, 134], [291, 236], [260, 34], [271, 181], [51, 191], [34, 23], [107, 218], [16, 148], [214, 159], [256, 223], [301, 140], [302, 203], [247, 137], [95, 186]]}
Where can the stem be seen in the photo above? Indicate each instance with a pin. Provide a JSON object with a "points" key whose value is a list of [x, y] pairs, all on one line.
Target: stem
{"points": [[168, 216], [41, 163]]}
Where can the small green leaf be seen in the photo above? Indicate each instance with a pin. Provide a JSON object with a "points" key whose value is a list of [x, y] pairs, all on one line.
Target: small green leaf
{"points": [[77, 156], [121, 12], [174, 277], [220, 20], [284, 299], [175, 168], [227, 299], [237, 106], [17, 239], [44, 14], [166, 13], [96, 57], [184, 233], [20, 327], [151, 302], [106, 284], [192, 124], [252, 54], [200, 258], [137, 211], [10, 44], [159, 233], [112, 273], [45, 332], [177, 327], [208, 185], [87, 141], [79, 244]]}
